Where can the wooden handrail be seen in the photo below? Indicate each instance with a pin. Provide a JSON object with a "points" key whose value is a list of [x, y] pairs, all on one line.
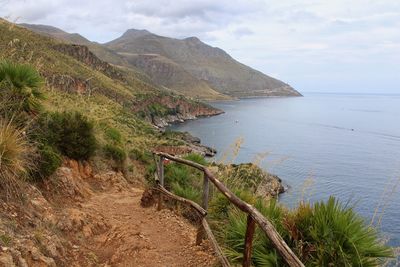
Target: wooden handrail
{"points": [[194, 205], [253, 214]]}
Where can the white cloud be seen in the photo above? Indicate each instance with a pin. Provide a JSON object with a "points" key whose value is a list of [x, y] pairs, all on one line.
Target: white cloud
{"points": [[312, 44]]}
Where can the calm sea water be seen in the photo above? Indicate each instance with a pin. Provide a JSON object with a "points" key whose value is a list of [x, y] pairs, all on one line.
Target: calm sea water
{"points": [[320, 145]]}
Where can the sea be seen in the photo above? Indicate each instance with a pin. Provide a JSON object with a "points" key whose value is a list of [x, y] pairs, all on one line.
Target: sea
{"points": [[320, 145]]}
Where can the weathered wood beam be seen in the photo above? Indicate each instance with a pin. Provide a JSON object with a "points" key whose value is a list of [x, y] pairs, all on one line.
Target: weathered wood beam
{"points": [[222, 259], [248, 241], [206, 191], [194, 205]]}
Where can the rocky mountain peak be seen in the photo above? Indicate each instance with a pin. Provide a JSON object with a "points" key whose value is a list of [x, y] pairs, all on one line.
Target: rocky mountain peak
{"points": [[133, 33], [192, 39]]}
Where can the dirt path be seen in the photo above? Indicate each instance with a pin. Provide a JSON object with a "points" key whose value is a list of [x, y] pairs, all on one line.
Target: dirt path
{"points": [[137, 236]]}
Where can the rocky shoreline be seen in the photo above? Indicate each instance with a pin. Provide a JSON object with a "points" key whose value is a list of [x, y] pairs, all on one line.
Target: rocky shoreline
{"points": [[270, 186], [163, 122]]}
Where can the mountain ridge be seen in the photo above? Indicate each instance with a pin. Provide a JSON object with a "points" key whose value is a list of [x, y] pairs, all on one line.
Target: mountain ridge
{"points": [[210, 64], [185, 66]]}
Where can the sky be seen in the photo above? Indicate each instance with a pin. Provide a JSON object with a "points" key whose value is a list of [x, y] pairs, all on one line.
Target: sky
{"points": [[314, 45]]}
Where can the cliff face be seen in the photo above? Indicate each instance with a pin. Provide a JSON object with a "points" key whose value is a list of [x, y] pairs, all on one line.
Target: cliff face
{"points": [[84, 55], [165, 72], [166, 109]]}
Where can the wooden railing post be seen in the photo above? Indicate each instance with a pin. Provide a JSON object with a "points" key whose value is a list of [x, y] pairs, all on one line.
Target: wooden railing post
{"points": [[248, 241], [206, 190], [161, 180]]}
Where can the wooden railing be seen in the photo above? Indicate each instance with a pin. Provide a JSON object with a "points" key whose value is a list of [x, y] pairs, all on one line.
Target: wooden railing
{"points": [[254, 217]]}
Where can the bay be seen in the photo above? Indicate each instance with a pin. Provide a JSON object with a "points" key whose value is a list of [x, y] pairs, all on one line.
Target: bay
{"points": [[343, 145]]}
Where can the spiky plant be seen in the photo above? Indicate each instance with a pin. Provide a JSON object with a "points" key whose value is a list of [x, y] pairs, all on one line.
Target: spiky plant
{"points": [[323, 234], [15, 156], [339, 237], [20, 88], [187, 192], [235, 231]]}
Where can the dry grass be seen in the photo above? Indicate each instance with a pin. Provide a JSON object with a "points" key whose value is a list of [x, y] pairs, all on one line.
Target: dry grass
{"points": [[386, 198], [15, 157]]}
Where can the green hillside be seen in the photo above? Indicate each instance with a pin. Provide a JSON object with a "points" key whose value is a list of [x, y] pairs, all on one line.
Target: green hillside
{"points": [[77, 80]]}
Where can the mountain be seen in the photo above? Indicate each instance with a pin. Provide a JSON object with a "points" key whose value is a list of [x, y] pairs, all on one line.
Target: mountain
{"points": [[74, 38], [188, 67], [167, 73], [158, 69], [210, 64]]}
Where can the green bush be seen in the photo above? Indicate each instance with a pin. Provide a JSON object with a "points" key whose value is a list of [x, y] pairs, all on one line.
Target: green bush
{"points": [[187, 192], [70, 132], [149, 174], [325, 234], [197, 158], [185, 180], [339, 236], [49, 161], [143, 156], [113, 135], [20, 89], [114, 152], [177, 173]]}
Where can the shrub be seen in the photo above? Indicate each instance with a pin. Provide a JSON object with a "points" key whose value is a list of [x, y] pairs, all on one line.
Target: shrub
{"points": [[157, 109], [114, 135], [325, 234], [187, 192], [20, 86], [49, 161], [339, 236], [197, 158], [149, 174], [234, 234], [15, 155], [246, 176], [143, 156], [70, 132], [114, 152], [177, 173]]}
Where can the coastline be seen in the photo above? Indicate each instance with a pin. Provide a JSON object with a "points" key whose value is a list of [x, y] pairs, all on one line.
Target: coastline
{"points": [[271, 185]]}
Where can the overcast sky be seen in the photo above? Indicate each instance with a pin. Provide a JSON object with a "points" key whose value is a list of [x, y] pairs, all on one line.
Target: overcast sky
{"points": [[314, 45]]}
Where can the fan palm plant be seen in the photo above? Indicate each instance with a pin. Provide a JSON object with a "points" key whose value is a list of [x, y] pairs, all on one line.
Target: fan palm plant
{"points": [[20, 88]]}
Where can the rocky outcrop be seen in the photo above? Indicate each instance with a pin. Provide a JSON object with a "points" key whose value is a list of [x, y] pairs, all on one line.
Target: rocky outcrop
{"points": [[83, 54], [252, 177], [194, 143], [271, 186], [163, 110], [72, 84]]}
